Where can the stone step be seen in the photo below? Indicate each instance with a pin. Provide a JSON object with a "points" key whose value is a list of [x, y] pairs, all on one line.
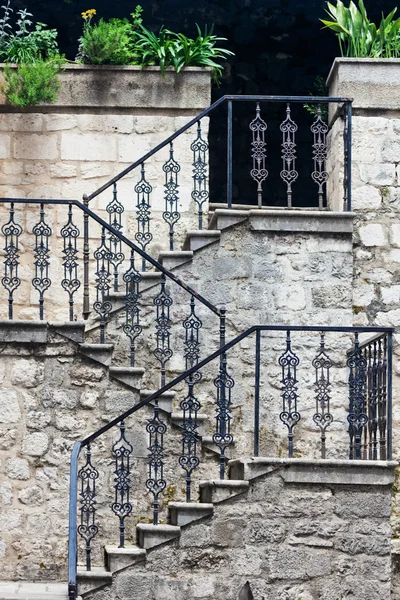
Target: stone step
{"points": [[222, 218], [219, 490], [183, 513], [164, 401], [177, 419], [131, 376], [100, 353], [149, 536], [117, 559], [23, 331], [88, 581], [26, 590], [200, 238], [72, 330], [171, 260]]}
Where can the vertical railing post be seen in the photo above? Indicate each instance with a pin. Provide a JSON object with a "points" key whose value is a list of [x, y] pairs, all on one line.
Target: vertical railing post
{"points": [[73, 537], [389, 395], [86, 300], [229, 156], [349, 143], [257, 396]]}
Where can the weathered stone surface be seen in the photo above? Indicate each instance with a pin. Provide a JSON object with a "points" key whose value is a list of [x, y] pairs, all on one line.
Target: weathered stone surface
{"points": [[18, 468], [35, 444], [28, 373], [9, 406]]}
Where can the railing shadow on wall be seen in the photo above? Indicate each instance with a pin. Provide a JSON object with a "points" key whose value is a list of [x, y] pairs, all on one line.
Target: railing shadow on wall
{"points": [[328, 381]]}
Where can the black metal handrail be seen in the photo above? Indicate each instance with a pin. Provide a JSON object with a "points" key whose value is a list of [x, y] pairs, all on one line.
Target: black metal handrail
{"points": [[361, 410]]}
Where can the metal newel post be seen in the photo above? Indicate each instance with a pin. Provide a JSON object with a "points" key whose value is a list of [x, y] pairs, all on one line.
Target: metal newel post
{"points": [[86, 309], [229, 156], [257, 396]]}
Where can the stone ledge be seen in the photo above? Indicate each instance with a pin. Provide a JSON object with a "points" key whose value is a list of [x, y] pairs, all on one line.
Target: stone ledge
{"points": [[116, 86], [283, 221], [318, 471], [373, 83], [23, 331]]}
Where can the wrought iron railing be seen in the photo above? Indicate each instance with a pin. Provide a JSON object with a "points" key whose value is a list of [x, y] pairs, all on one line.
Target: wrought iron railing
{"points": [[259, 172], [360, 403]]}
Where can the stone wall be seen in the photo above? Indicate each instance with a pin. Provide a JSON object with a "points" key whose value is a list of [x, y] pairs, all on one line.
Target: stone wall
{"points": [[104, 120], [301, 531]]}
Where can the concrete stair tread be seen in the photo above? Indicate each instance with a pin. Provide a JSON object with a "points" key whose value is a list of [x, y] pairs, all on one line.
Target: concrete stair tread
{"points": [[127, 550], [118, 559], [26, 590], [219, 490], [149, 536], [174, 258], [94, 573], [178, 416], [197, 239], [184, 513], [100, 353], [168, 394]]}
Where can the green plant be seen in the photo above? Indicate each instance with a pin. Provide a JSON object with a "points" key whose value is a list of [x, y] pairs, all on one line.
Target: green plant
{"points": [[32, 83], [359, 37], [106, 42], [320, 89]]}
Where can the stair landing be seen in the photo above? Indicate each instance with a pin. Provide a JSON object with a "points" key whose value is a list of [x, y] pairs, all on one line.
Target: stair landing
{"points": [[24, 590]]}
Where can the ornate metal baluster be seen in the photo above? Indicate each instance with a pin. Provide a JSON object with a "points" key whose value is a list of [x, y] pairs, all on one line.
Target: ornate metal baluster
{"points": [[224, 383], [143, 190], [372, 399], [102, 306], [346, 166], [70, 283], [200, 192], [190, 404], [88, 529], [121, 506], [382, 396], [319, 130], [366, 430], [322, 418], [11, 281], [132, 327], [41, 281], [289, 415], [289, 173], [156, 483], [115, 210], [171, 215], [163, 352], [357, 417], [258, 152]]}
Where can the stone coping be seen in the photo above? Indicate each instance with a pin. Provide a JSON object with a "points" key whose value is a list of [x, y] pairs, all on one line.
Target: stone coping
{"points": [[317, 471], [129, 87], [296, 221], [372, 83]]}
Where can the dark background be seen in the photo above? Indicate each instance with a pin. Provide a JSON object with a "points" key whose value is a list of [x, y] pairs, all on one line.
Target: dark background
{"points": [[279, 49]]}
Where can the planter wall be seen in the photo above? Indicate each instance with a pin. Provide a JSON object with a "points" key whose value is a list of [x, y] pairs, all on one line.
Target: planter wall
{"points": [[105, 119]]}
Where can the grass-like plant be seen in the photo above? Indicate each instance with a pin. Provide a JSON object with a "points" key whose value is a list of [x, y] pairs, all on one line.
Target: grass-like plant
{"points": [[32, 83], [360, 38]]}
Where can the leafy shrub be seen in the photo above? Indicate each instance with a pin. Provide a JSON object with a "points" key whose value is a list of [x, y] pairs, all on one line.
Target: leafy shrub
{"points": [[106, 43], [34, 79], [32, 83], [359, 37]]}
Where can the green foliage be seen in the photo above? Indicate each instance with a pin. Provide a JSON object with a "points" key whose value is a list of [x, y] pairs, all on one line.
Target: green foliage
{"points": [[359, 37], [123, 42], [32, 83], [106, 43], [320, 89], [170, 49], [34, 48]]}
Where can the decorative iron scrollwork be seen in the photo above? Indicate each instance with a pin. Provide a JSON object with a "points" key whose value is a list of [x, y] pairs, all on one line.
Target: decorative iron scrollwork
{"points": [[132, 327], [143, 190], [289, 416], [70, 283], [319, 130], [102, 306], [357, 417], [289, 173], [41, 282], [200, 193], [115, 210], [122, 506], [88, 529], [322, 417], [190, 405], [11, 281], [163, 351], [171, 215], [156, 483], [382, 396], [258, 152]]}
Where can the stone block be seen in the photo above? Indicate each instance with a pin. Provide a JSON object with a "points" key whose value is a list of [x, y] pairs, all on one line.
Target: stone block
{"points": [[35, 146], [28, 373], [63, 170], [31, 496], [65, 399], [88, 147], [373, 234], [5, 143], [376, 174], [9, 406], [18, 468], [229, 533], [91, 170], [59, 122], [35, 444], [332, 296], [391, 149], [366, 197]]}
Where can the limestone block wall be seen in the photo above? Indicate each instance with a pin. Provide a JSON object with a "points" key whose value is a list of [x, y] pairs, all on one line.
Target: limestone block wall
{"points": [[104, 120], [298, 533]]}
